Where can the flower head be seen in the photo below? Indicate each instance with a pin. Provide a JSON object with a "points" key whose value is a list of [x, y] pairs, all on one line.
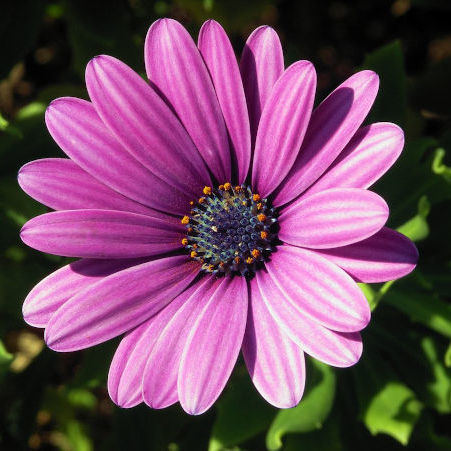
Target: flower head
{"points": [[213, 210]]}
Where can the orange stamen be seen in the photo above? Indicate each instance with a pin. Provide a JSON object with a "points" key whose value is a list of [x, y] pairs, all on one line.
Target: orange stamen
{"points": [[207, 190], [227, 186], [193, 254], [256, 253], [261, 217], [263, 235], [185, 220], [256, 197], [185, 241], [249, 260]]}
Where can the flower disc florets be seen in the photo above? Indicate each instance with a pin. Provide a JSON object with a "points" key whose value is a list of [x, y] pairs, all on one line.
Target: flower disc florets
{"points": [[230, 230]]}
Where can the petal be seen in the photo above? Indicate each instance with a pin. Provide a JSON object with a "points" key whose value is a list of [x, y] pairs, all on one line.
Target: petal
{"points": [[217, 51], [332, 126], [261, 65], [125, 378], [275, 363], [101, 234], [387, 255], [161, 372], [318, 289], [369, 154], [282, 127], [213, 346], [61, 184], [334, 348], [78, 130], [118, 303], [175, 66], [333, 218], [145, 125], [53, 291]]}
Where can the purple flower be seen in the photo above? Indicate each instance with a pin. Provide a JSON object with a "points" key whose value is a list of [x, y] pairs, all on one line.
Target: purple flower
{"points": [[213, 212]]}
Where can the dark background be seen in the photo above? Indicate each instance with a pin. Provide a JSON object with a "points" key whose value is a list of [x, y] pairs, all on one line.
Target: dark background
{"points": [[399, 395]]}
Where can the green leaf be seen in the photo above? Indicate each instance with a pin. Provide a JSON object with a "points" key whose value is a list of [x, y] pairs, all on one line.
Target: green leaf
{"points": [[426, 309], [417, 228], [313, 409], [388, 63], [438, 167], [242, 414], [5, 358], [447, 358], [394, 410]]}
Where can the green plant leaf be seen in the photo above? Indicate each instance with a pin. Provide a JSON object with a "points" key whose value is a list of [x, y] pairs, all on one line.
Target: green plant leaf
{"points": [[242, 414], [313, 409], [394, 410], [417, 228], [388, 63], [426, 309]]}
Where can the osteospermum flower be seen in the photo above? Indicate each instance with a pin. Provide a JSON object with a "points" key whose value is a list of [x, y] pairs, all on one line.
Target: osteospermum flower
{"points": [[213, 212]]}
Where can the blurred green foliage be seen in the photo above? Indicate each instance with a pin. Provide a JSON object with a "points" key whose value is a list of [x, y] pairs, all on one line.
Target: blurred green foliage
{"points": [[399, 395]]}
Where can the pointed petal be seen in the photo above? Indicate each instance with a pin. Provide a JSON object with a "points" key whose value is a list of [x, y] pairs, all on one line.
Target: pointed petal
{"points": [[333, 218], [61, 184], [217, 51], [213, 346], [145, 125], [334, 348], [175, 67], [275, 363], [126, 375], [319, 289], [387, 255], [282, 127], [101, 234], [118, 303], [332, 126], [78, 130], [162, 367], [369, 154], [261, 65], [57, 288]]}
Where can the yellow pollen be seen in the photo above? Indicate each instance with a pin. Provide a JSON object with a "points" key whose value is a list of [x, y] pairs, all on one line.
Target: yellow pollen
{"points": [[221, 187], [238, 188], [249, 260], [211, 267], [261, 217], [193, 254], [237, 260], [185, 241], [191, 202], [256, 197], [207, 190], [264, 235], [227, 186], [244, 203], [201, 200], [259, 206], [185, 220], [256, 253], [190, 229], [195, 246]]}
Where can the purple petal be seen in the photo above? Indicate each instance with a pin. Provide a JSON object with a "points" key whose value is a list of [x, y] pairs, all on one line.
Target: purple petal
{"points": [[175, 66], [275, 363], [162, 367], [261, 65], [213, 346], [282, 126], [78, 130], [61, 184], [118, 303], [332, 126], [53, 291], [318, 289], [333, 218], [145, 125], [101, 234], [125, 378], [218, 55], [369, 154], [387, 255], [334, 348]]}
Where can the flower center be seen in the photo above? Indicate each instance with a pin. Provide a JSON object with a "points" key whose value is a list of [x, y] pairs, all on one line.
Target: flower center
{"points": [[230, 230]]}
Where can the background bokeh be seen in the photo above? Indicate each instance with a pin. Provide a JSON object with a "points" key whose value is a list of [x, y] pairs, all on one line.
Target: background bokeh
{"points": [[399, 395]]}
